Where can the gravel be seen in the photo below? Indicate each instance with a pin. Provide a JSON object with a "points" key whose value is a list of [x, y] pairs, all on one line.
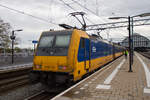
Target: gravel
{"points": [[22, 92]]}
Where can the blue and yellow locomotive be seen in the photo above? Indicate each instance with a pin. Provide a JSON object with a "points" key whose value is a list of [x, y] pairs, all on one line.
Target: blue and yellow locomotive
{"points": [[66, 56]]}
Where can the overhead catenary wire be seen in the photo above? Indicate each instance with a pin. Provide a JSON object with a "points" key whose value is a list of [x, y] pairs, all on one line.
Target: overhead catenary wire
{"points": [[84, 7], [50, 13], [24, 13], [39, 18], [68, 5], [87, 9], [89, 20]]}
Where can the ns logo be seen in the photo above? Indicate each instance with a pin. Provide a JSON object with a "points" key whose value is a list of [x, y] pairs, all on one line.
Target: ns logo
{"points": [[93, 49]]}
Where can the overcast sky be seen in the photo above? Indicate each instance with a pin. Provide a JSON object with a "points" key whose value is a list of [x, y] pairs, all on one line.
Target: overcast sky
{"points": [[55, 11]]}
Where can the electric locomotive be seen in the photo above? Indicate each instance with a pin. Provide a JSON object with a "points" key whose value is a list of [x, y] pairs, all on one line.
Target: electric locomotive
{"points": [[65, 56]]}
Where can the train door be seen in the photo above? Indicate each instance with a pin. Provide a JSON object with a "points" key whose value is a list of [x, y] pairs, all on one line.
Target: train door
{"points": [[113, 51], [90, 53], [86, 46]]}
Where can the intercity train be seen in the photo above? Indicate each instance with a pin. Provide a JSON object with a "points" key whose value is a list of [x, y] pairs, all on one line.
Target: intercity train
{"points": [[66, 56]]}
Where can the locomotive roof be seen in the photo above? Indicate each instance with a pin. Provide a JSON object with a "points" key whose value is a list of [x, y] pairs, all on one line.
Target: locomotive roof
{"points": [[92, 37], [57, 31]]}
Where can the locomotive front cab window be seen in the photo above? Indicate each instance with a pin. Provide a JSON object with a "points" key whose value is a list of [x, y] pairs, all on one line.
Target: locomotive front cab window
{"points": [[54, 43], [46, 41], [62, 40]]}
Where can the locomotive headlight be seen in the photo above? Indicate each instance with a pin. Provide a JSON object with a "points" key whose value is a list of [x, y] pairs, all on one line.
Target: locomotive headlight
{"points": [[62, 67], [38, 66]]}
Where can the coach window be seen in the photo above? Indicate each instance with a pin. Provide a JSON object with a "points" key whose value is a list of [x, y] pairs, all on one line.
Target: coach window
{"points": [[82, 41]]}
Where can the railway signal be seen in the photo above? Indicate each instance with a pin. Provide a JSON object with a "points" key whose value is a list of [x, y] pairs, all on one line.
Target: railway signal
{"points": [[12, 37]]}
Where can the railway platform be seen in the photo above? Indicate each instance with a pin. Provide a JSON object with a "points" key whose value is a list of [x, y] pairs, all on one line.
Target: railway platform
{"points": [[15, 67], [114, 82]]}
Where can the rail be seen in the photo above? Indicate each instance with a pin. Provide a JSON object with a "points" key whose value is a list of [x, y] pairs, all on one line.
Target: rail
{"points": [[14, 77], [145, 54], [43, 95]]}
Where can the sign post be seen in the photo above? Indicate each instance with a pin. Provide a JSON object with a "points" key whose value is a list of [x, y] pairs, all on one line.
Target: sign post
{"points": [[34, 42]]}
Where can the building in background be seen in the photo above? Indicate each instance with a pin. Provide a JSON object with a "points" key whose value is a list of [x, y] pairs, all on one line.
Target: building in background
{"points": [[139, 42]]}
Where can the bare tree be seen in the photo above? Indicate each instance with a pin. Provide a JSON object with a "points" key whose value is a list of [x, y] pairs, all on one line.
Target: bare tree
{"points": [[5, 30]]}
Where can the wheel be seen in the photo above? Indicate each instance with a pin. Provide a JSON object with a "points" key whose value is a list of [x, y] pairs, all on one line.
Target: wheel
{"points": [[33, 77]]}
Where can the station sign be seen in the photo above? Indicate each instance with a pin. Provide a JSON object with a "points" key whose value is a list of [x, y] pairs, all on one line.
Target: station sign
{"points": [[34, 41]]}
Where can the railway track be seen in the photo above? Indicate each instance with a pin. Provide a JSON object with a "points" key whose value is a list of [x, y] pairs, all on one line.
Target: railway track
{"points": [[43, 95], [145, 54], [14, 78]]}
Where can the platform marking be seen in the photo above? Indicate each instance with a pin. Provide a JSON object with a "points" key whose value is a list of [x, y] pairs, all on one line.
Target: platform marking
{"points": [[85, 85], [81, 88], [147, 74], [103, 86], [90, 82], [110, 77], [95, 78], [146, 90], [77, 92]]}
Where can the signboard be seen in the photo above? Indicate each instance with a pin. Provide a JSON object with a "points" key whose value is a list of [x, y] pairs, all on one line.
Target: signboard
{"points": [[34, 41]]}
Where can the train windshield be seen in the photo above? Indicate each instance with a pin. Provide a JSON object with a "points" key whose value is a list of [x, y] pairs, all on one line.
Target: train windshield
{"points": [[46, 41], [54, 43], [62, 40]]}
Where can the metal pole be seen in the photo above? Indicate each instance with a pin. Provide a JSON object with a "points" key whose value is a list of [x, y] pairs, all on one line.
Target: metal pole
{"points": [[129, 28], [132, 40], [34, 48], [12, 49], [12, 37]]}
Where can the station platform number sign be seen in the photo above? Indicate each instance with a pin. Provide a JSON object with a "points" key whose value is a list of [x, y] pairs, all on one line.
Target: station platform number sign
{"points": [[34, 41]]}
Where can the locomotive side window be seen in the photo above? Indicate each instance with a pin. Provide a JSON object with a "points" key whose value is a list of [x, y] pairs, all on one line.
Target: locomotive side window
{"points": [[46, 41], [82, 41], [62, 40]]}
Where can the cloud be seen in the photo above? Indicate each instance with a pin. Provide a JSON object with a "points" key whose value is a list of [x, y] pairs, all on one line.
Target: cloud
{"points": [[56, 11]]}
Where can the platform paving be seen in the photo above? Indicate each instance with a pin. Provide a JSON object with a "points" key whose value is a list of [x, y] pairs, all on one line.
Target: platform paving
{"points": [[114, 82]]}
